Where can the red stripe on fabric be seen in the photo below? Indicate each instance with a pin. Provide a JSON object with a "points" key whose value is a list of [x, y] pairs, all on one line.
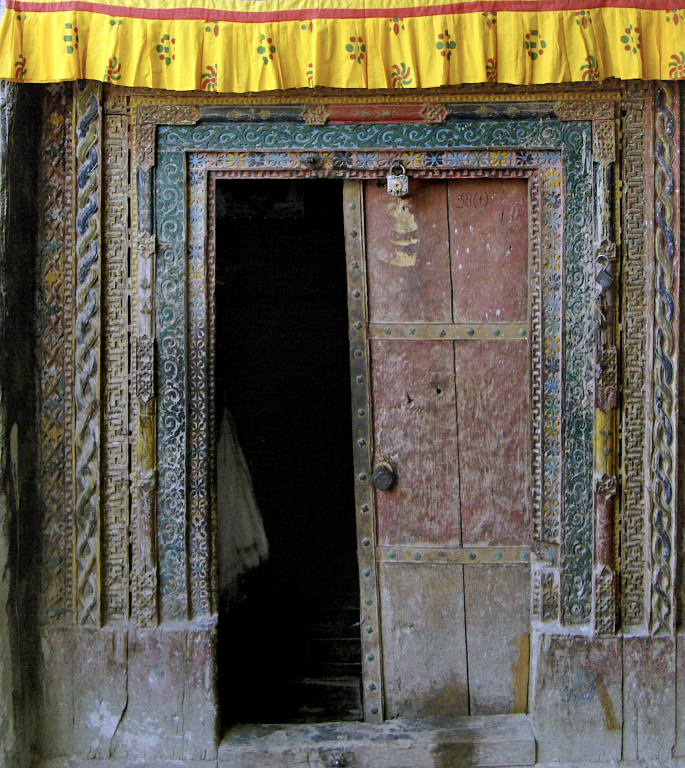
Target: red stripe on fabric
{"points": [[477, 6]]}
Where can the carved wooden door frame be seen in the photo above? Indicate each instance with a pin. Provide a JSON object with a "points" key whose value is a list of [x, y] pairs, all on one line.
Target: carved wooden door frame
{"points": [[586, 565]]}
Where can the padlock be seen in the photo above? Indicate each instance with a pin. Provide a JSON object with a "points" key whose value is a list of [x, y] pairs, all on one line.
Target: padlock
{"points": [[398, 183], [603, 276]]}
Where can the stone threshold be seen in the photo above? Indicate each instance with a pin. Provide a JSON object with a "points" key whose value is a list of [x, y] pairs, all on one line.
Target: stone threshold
{"points": [[498, 740]]}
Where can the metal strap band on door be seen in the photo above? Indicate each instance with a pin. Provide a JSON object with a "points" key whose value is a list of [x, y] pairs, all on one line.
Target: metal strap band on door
{"points": [[449, 332]]}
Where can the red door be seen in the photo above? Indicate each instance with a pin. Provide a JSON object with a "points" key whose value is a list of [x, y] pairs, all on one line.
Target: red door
{"points": [[439, 316]]}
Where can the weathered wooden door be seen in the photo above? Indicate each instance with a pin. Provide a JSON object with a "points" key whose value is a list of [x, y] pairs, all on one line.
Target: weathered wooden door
{"points": [[439, 319]]}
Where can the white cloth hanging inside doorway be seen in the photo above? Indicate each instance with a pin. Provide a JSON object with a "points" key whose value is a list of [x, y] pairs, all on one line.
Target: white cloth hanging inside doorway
{"points": [[242, 540]]}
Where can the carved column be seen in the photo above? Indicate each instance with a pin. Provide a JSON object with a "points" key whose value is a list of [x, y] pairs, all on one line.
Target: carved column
{"points": [[665, 361], [88, 126]]}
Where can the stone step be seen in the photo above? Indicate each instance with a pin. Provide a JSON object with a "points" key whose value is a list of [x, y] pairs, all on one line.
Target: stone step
{"points": [[496, 740]]}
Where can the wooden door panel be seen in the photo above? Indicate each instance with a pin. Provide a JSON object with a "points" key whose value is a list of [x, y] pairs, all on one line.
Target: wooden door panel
{"points": [[494, 441], [496, 601], [424, 645], [407, 253], [489, 249], [415, 428]]}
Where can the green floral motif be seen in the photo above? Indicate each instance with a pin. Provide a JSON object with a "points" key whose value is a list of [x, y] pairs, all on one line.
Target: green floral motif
{"points": [[115, 22], [535, 45], [590, 70], [491, 69], [676, 16], [583, 18], [396, 25], [20, 67], [212, 26], [70, 37], [307, 26], [677, 66], [401, 75], [490, 18], [166, 54], [210, 78], [266, 49], [445, 45], [112, 71], [631, 39], [310, 75], [356, 49]]}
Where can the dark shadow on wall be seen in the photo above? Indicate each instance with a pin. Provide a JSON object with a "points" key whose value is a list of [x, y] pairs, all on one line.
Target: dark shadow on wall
{"points": [[19, 509]]}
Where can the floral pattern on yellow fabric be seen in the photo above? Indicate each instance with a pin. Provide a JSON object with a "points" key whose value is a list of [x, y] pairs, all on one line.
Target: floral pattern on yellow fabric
{"points": [[445, 45], [631, 40], [356, 49], [583, 18], [401, 75], [396, 26], [112, 71], [70, 37], [535, 45], [166, 49], [677, 67], [20, 68], [590, 69], [210, 78], [266, 49], [171, 43]]}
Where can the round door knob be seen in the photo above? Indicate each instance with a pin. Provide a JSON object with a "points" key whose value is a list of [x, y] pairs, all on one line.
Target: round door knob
{"points": [[383, 476]]}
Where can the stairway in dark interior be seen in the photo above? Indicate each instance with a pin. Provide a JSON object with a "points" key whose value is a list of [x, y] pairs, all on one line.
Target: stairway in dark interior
{"points": [[330, 689]]}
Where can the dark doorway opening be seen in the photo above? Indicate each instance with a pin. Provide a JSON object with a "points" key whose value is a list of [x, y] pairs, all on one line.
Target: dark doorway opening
{"points": [[289, 647]]}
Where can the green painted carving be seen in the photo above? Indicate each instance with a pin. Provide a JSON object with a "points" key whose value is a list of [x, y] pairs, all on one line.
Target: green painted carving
{"points": [[279, 146]]}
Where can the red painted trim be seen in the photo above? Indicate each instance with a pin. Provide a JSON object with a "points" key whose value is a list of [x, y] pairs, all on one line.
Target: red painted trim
{"points": [[246, 17]]}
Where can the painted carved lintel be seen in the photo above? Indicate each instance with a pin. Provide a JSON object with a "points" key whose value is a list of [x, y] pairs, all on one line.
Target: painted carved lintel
{"points": [[166, 115], [316, 114]]}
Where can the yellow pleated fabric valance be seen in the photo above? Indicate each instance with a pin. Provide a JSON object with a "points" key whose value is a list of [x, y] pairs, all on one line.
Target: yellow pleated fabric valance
{"points": [[261, 45]]}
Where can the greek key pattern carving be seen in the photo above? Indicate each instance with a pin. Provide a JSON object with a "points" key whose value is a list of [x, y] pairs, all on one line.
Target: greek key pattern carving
{"points": [[87, 96], [116, 102], [55, 359], [115, 423], [665, 363], [144, 580], [199, 464], [634, 360]]}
